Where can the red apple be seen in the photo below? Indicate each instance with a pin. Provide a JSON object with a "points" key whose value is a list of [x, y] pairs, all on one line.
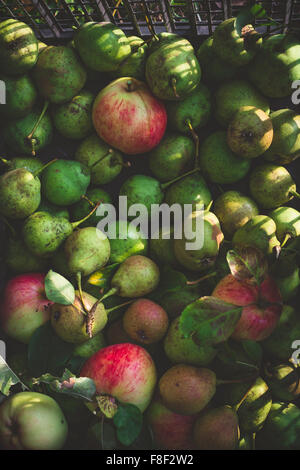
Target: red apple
{"points": [[261, 306], [128, 117], [125, 371], [25, 306], [171, 431]]}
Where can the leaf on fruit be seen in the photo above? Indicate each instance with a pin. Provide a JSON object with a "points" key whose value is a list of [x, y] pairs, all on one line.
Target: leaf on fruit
{"points": [[103, 277], [253, 350], [77, 387], [47, 352], [107, 405], [59, 289], [247, 263], [209, 320], [128, 421], [8, 378], [247, 15]]}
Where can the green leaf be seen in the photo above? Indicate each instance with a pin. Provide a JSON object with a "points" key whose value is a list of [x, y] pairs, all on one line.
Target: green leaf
{"points": [[8, 378], [47, 352], [209, 320], [247, 16], [128, 421], [77, 387], [253, 350], [102, 277], [247, 263], [59, 289]]}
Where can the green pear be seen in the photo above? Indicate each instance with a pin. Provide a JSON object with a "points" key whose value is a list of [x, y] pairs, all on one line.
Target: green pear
{"points": [[231, 46], [191, 189], [90, 346], [214, 69], [31, 164], [20, 193], [84, 206], [217, 429], [134, 66], [165, 38], [286, 273], [171, 157], [234, 94], [194, 109], [137, 276], [104, 162], [102, 46], [283, 381], [125, 240], [276, 66], [282, 428], [16, 133], [175, 301], [73, 120], [20, 260], [70, 321], [18, 47], [219, 163], [57, 211], [59, 74], [200, 259], [21, 95], [259, 232], [233, 210], [65, 181], [285, 146], [162, 249], [271, 185], [255, 408], [142, 189], [181, 350], [86, 250], [279, 344], [173, 71], [250, 133], [287, 220], [59, 264]]}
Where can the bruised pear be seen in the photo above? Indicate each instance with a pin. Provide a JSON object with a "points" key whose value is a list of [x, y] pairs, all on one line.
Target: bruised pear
{"points": [[217, 429], [70, 321]]}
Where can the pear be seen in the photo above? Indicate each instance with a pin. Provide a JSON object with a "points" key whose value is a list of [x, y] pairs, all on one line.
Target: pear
{"points": [[191, 189], [287, 220], [21, 96], [20, 193], [162, 249], [86, 250], [31, 164], [20, 260], [194, 109], [217, 429], [285, 146], [181, 350], [186, 389], [203, 258], [279, 344], [59, 74], [65, 181], [283, 381], [166, 38], [276, 66], [219, 163], [73, 120], [214, 69], [90, 346], [142, 189], [259, 232], [176, 300], [171, 156], [104, 163], [286, 273], [234, 94], [54, 210], [282, 428], [250, 133], [83, 207], [18, 47], [137, 276], [128, 241], [231, 46], [69, 321], [271, 186], [59, 264], [233, 210], [134, 65], [255, 408], [102, 46]]}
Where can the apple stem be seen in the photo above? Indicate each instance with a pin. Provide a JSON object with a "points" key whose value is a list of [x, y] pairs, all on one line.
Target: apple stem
{"points": [[197, 281], [166, 185], [286, 239], [111, 292], [30, 136], [75, 224], [196, 140], [37, 172], [11, 228], [294, 193], [129, 85], [119, 306], [173, 85]]}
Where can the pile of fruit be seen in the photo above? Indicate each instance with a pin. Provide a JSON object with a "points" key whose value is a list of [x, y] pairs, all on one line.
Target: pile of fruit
{"points": [[120, 340]]}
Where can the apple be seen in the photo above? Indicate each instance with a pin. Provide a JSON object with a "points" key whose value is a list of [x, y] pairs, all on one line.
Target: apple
{"points": [[24, 306], [125, 371], [128, 117], [262, 306], [171, 431], [32, 421]]}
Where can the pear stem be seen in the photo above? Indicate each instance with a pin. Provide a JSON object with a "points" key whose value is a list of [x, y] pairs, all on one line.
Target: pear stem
{"points": [[196, 140], [166, 185], [110, 151], [197, 281], [91, 203], [209, 206], [30, 136], [79, 283], [37, 172], [173, 85], [11, 228], [75, 224], [119, 306], [294, 193], [286, 239], [111, 292]]}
